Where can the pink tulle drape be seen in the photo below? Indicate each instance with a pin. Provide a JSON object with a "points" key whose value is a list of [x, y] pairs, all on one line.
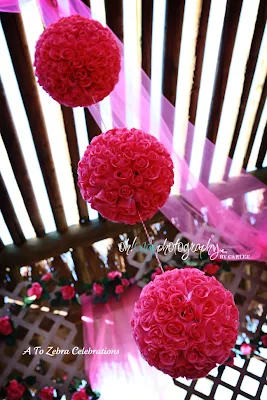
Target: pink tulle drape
{"points": [[126, 375], [198, 206], [11, 6]]}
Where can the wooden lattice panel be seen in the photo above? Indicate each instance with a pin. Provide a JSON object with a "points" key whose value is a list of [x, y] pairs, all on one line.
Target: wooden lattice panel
{"points": [[45, 329], [247, 378]]}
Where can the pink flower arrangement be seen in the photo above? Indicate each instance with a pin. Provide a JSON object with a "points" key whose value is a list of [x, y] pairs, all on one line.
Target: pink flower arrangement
{"points": [[114, 274], [77, 61], [47, 277], [98, 289], [211, 269], [46, 393], [5, 326], [125, 282], [15, 390], [185, 323], [68, 292], [125, 174], [80, 395], [35, 290], [119, 289], [246, 349]]}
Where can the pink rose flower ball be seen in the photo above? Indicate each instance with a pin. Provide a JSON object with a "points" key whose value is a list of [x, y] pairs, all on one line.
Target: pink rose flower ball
{"points": [[185, 323], [125, 174], [77, 61]]}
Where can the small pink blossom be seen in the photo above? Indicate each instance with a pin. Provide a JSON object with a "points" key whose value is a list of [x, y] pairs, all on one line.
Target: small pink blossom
{"points": [[114, 274], [35, 290], [98, 289], [47, 277], [119, 289]]}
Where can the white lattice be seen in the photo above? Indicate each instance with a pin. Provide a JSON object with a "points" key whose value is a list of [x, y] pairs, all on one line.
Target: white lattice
{"points": [[46, 329]]}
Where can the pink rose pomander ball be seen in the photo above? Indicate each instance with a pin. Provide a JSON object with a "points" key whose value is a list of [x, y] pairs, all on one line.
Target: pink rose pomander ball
{"points": [[185, 323], [77, 61], [125, 174]]}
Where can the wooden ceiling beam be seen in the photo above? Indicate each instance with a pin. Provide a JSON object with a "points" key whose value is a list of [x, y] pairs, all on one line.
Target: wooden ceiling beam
{"points": [[250, 69], [174, 25], [147, 18], [231, 20], [17, 44], [10, 216], [200, 47], [263, 150], [56, 243], [255, 125], [13, 148], [114, 16]]}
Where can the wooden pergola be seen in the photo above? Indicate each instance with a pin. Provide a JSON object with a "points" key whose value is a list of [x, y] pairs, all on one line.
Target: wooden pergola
{"points": [[88, 231]]}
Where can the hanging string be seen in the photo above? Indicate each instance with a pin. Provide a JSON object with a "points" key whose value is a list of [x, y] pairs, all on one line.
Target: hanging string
{"points": [[146, 232], [151, 243], [99, 112]]}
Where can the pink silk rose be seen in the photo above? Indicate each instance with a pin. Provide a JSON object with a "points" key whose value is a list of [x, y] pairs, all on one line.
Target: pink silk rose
{"points": [[68, 292], [114, 274], [46, 393], [5, 326], [125, 282], [81, 395], [98, 289], [15, 390], [119, 289], [246, 349], [35, 290], [211, 269], [47, 277]]}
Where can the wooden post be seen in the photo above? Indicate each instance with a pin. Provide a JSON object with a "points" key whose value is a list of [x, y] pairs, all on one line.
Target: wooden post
{"points": [[17, 44], [81, 265]]}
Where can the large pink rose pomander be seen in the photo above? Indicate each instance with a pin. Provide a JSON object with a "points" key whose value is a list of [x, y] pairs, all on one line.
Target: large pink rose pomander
{"points": [[77, 61], [185, 323], [125, 174]]}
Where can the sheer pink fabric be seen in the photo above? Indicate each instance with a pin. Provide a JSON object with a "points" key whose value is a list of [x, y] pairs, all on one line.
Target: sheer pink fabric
{"points": [[198, 211], [126, 375], [11, 6]]}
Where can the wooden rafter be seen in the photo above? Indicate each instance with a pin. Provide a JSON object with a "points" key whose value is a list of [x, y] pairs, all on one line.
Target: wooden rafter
{"points": [[174, 24], [17, 44], [251, 65], [13, 148], [10, 216]]}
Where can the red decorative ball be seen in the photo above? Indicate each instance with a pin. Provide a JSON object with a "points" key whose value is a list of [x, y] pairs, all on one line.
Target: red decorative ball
{"points": [[185, 323], [77, 61], [125, 174]]}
